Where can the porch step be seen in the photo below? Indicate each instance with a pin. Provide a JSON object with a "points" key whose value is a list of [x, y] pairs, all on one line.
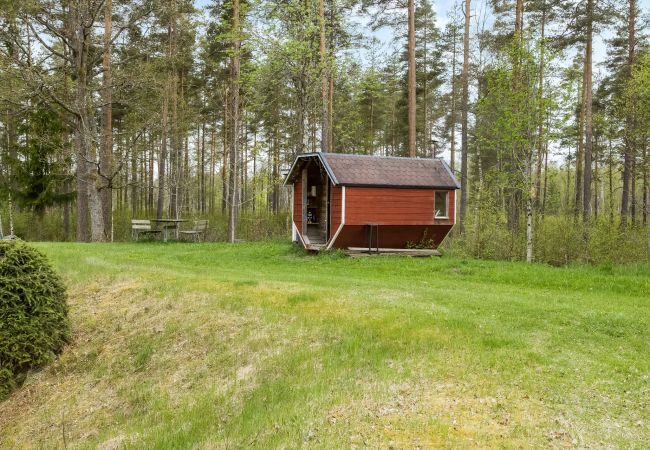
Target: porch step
{"points": [[363, 251], [315, 247]]}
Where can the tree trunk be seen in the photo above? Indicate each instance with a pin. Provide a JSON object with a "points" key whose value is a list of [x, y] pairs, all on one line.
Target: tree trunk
{"points": [[645, 183], [586, 200], [66, 212], [464, 125], [175, 162], [545, 189], [425, 119], [629, 120], [580, 153], [88, 152], [152, 157], [519, 19], [106, 154], [611, 182], [330, 112], [597, 198], [411, 79], [633, 176], [542, 116], [202, 170], [82, 191], [515, 192], [233, 203], [452, 156], [529, 229], [224, 162], [324, 79], [163, 154], [133, 180], [79, 51]]}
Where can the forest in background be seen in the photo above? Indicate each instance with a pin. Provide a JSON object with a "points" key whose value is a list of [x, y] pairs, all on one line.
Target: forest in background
{"points": [[115, 109]]}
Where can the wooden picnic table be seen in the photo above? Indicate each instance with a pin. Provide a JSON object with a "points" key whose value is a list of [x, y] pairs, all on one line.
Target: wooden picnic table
{"points": [[166, 225]]}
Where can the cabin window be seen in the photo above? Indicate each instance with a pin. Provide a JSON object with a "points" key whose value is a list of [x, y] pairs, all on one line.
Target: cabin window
{"points": [[442, 204]]}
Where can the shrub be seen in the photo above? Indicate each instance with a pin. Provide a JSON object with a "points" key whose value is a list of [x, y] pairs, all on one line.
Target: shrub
{"points": [[33, 313]]}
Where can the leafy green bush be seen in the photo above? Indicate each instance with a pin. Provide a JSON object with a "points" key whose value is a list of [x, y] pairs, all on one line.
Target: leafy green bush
{"points": [[557, 240], [33, 313]]}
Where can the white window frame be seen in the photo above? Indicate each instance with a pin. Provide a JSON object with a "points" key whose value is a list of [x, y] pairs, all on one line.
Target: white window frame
{"points": [[436, 210]]}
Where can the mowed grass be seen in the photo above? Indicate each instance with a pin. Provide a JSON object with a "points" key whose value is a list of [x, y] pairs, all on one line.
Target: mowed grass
{"points": [[262, 346]]}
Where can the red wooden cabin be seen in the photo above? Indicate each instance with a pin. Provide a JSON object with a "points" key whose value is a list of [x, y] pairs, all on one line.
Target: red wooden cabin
{"points": [[343, 201]]}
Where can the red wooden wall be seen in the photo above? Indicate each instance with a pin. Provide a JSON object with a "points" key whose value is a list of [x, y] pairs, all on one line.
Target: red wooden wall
{"points": [[336, 208], [392, 206]]}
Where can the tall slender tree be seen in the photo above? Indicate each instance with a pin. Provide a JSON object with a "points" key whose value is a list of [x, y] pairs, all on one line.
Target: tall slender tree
{"points": [[464, 180], [106, 157], [325, 125], [588, 96], [233, 110], [629, 152], [412, 113]]}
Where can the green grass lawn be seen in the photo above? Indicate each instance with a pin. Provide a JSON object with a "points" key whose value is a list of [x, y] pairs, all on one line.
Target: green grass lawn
{"points": [[259, 345]]}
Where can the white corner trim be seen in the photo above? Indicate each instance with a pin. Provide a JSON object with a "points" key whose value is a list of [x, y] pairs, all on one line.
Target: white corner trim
{"points": [[336, 235], [295, 228]]}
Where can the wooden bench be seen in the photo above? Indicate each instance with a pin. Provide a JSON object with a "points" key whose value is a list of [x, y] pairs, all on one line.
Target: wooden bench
{"points": [[139, 226], [200, 227]]}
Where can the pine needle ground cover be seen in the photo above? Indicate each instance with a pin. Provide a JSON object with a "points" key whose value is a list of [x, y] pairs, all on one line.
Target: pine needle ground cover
{"points": [[258, 345]]}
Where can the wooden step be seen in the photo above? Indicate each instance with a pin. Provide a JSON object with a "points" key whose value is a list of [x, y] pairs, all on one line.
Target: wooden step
{"points": [[417, 252]]}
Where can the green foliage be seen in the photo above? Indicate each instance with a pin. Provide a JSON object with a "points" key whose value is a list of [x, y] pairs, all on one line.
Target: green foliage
{"points": [[423, 243], [253, 225], [33, 313], [37, 166], [558, 241]]}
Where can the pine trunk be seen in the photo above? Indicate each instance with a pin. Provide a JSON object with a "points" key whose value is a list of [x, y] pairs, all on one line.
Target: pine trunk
{"points": [[233, 200], [586, 200], [162, 158], [464, 125], [324, 79], [411, 79], [542, 117], [629, 120], [452, 137], [106, 152]]}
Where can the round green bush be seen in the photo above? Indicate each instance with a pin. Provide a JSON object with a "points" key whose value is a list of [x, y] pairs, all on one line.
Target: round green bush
{"points": [[33, 313]]}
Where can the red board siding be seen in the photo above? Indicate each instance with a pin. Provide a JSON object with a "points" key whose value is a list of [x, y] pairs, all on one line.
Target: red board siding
{"points": [[297, 204], [336, 208], [391, 206], [392, 236]]}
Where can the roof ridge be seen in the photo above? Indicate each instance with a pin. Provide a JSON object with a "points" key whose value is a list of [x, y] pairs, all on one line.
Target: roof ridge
{"points": [[359, 155]]}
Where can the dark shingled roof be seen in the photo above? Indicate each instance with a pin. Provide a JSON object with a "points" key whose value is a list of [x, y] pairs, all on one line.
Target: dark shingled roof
{"points": [[363, 170]]}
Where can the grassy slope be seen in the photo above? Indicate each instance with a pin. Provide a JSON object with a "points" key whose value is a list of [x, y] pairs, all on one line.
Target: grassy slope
{"points": [[258, 345]]}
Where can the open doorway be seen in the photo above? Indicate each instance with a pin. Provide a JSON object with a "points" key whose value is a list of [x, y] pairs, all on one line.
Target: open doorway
{"points": [[316, 202]]}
